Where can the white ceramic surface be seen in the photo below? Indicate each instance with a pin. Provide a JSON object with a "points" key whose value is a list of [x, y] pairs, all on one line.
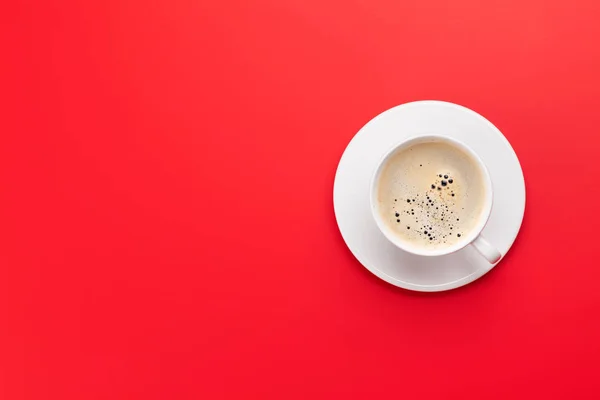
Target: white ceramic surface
{"points": [[351, 193], [472, 235]]}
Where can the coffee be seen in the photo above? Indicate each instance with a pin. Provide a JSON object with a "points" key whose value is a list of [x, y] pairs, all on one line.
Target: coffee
{"points": [[431, 194]]}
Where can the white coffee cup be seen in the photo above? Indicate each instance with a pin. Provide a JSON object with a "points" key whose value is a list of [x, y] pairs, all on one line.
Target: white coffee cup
{"points": [[473, 237]]}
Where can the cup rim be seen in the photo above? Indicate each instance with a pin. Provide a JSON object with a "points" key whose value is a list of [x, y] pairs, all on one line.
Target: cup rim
{"points": [[473, 234]]}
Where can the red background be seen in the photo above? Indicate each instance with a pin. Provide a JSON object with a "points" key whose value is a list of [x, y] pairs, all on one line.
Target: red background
{"points": [[166, 219]]}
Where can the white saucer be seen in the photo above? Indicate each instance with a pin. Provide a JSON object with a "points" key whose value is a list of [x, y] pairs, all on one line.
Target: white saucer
{"points": [[351, 194]]}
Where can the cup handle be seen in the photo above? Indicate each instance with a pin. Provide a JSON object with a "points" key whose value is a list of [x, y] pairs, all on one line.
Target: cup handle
{"points": [[488, 251]]}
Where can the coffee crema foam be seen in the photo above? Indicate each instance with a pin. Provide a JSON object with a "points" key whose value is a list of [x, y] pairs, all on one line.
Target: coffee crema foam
{"points": [[431, 194]]}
